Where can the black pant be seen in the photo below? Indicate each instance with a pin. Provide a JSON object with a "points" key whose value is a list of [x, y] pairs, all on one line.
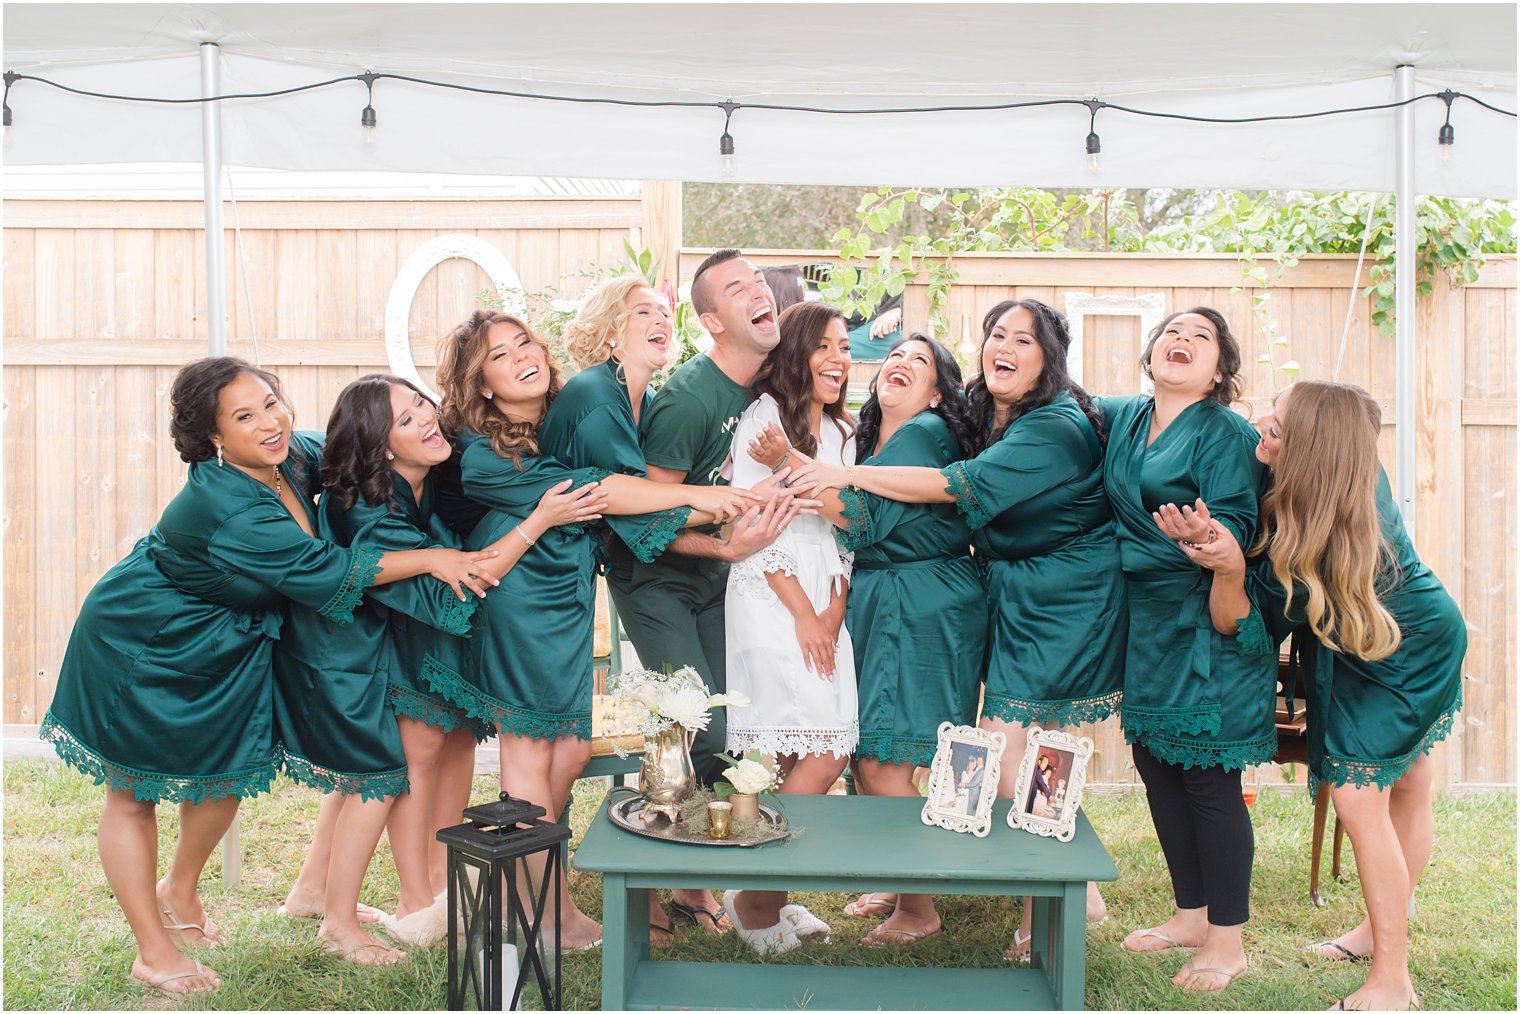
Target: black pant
{"points": [[1205, 832]]}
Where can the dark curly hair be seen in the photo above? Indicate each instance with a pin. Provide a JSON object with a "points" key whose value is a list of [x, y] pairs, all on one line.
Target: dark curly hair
{"points": [[952, 400], [1054, 340], [353, 460], [196, 395], [785, 374], [1227, 390]]}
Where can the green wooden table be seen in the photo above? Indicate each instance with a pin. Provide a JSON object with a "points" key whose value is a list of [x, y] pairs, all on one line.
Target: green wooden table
{"points": [[851, 844]]}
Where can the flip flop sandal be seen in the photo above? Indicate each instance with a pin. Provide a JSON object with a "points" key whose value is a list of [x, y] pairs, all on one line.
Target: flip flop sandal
{"points": [[1171, 943], [1011, 952], [695, 913], [177, 927], [870, 906], [366, 913], [1346, 954], [881, 936], [159, 981], [1228, 975], [668, 928]]}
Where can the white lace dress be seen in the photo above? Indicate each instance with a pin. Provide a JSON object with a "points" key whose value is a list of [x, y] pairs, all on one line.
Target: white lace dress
{"points": [[794, 710]]}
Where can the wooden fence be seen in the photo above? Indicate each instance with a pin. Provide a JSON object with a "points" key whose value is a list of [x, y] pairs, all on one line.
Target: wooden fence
{"points": [[102, 303]]}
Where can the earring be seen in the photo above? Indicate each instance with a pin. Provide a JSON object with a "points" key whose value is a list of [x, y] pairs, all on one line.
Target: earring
{"points": [[220, 461], [1218, 378], [612, 344], [489, 394], [934, 403], [389, 456]]}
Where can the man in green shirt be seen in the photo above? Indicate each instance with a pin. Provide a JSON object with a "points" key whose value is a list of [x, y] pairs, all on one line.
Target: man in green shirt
{"points": [[672, 608]]}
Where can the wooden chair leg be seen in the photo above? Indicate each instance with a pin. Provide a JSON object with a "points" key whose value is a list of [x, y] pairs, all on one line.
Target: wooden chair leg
{"points": [[1321, 806], [1335, 852]]}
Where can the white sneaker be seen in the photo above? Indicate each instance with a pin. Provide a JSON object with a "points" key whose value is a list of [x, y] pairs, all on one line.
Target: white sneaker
{"points": [[777, 939], [805, 923], [422, 928]]}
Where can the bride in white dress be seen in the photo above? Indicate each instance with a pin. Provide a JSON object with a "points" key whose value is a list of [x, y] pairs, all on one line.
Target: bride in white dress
{"points": [[787, 646]]}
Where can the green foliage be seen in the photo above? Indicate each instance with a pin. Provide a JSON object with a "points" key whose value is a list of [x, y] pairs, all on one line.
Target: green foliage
{"points": [[1452, 235], [550, 311]]}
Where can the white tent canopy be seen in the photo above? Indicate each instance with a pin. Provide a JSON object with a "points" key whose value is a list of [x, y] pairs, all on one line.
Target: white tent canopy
{"points": [[1203, 59]]}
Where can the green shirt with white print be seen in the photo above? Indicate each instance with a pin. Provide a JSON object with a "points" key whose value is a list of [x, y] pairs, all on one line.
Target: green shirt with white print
{"points": [[689, 427]]}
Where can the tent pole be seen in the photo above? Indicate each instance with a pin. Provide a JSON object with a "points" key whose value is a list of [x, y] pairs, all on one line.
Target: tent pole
{"points": [[211, 165], [1404, 295]]}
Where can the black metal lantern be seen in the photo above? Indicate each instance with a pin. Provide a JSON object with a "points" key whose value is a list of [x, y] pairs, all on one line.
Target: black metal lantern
{"points": [[485, 899]]}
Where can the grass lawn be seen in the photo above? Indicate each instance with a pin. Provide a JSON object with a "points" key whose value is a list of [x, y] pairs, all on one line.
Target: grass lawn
{"points": [[67, 946]]}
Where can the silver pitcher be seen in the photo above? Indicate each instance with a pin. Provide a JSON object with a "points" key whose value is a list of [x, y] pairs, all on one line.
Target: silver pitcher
{"points": [[666, 776]]}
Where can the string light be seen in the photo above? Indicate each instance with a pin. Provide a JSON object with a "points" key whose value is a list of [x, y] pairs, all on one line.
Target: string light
{"points": [[728, 107], [10, 78], [1447, 136], [1094, 145], [726, 142], [367, 117]]}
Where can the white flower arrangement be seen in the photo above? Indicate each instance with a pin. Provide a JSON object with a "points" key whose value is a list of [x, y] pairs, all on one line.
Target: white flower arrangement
{"points": [[667, 699], [747, 776]]}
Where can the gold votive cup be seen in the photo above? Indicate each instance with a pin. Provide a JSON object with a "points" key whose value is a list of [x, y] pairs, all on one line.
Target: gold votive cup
{"points": [[720, 819], [746, 806]]}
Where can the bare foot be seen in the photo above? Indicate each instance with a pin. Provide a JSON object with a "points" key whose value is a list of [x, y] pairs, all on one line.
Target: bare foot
{"points": [[1211, 968], [903, 928], [1350, 946], [301, 904], [183, 976], [184, 918], [578, 932], [1097, 908], [358, 947], [872, 906], [1396, 995]]}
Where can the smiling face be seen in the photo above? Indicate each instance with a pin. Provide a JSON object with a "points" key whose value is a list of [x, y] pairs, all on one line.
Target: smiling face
{"points": [[908, 381], [830, 362], [1270, 426], [415, 441], [1012, 359], [516, 371], [744, 308], [646, 338], [1185, 358], [252, 425]]}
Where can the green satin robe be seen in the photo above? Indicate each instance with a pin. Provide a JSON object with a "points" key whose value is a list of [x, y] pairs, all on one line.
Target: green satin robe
{"points": [[1191, 696], [528, 667], [916, 611], [1044, 535], [333, 684], [590, 425], [1370, 721], [167, 684]]}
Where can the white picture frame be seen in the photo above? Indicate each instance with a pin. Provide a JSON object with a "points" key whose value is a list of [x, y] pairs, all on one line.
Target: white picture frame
{"points": [[963, 780], [1046, 803]]}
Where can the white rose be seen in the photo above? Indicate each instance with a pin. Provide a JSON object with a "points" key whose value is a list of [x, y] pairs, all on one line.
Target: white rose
{"points": [[749, 777], [728, 701]]}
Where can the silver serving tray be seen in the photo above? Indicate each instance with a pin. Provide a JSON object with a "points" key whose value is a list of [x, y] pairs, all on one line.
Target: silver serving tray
{"points": [[625, 806]]}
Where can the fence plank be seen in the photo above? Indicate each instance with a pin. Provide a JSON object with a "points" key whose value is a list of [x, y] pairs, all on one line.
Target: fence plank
{"points": [[21, 648]]}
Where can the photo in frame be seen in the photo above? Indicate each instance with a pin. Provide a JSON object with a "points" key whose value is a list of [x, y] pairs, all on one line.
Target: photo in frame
{"points": [[963, 780], [1052, 776]]}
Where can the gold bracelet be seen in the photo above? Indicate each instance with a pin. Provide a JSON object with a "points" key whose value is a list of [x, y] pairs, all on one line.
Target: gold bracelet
{"points": [[531, 542]]}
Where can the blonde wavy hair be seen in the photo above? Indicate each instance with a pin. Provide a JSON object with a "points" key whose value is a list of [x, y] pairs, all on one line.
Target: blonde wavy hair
{"points": [[461, 381], [1320, 523], [602, 317]]}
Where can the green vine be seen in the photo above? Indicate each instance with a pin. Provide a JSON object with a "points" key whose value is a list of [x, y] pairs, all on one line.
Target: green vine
{"points": [[1452, 235]]}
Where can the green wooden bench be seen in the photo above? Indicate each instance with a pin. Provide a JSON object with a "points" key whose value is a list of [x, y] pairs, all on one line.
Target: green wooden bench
{"points": [[852, 844]]}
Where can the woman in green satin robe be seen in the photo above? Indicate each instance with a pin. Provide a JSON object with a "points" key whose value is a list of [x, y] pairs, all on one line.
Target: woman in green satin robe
{"points": [[528, 670], [1196, 708], [336, 687], [1044, 537], [164, 694], [1385, 677]]}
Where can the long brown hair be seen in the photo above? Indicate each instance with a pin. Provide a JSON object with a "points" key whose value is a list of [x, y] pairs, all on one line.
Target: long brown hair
{"points": [[1320, 523], [786, 377], [461, 380]]}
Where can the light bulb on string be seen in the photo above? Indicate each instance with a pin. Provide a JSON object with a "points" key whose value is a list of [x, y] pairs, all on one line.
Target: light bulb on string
{"points": [[367, 117], [1446, 137], [1094, 144], [726, 142], [5, 131]]}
